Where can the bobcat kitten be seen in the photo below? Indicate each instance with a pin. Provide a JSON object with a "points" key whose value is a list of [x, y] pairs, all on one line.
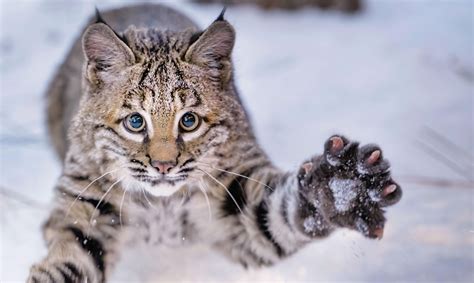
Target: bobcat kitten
{"points": [[160, 148]]}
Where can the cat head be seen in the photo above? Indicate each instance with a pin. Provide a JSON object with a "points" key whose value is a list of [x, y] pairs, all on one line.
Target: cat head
{"points": [[159, 105]]}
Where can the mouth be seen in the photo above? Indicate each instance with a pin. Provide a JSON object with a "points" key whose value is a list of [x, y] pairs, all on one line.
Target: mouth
{"points": [[163, 179]]}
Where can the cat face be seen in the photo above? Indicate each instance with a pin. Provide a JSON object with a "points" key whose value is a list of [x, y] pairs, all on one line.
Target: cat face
{"points": [[159, 105]]}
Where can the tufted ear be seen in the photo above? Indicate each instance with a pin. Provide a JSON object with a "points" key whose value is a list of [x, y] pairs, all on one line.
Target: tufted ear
{"points": [[213, 48], [105, 52]]}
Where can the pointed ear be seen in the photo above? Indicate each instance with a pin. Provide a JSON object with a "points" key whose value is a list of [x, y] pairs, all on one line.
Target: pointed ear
{"points": [[105, 52], [213, 48]]}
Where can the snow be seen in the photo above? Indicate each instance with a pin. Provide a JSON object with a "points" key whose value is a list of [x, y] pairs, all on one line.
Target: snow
{"points": [[392, 75], [362, 226], [374, 195], [344, 192]]}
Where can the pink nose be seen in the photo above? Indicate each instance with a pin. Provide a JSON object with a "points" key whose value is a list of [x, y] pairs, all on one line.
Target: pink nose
{"points": [[162, 167]]}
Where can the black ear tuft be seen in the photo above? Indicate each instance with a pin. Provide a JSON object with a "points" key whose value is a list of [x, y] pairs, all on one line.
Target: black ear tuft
{"points": [[221, 15], [212, 49], [98, 17]]}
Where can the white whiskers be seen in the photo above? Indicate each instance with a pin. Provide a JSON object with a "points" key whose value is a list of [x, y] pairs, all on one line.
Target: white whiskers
{"points": [[88, 186], [100, 201], [206, 197], [236, 174], [225, 188], [149, 202], [121, 205]]}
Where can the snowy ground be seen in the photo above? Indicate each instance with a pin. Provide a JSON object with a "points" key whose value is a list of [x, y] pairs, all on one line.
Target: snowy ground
{"points": [[388, 76]]}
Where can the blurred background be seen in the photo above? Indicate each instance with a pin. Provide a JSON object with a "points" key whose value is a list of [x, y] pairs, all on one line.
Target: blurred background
{"points": [[398, 73]]}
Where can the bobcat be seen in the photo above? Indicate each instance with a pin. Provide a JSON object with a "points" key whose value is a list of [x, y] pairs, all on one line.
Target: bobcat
{"points": [[160, 149]]}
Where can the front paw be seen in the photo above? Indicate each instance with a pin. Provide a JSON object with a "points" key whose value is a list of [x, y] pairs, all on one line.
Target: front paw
{"points": [[350, 185], [47, 272]]}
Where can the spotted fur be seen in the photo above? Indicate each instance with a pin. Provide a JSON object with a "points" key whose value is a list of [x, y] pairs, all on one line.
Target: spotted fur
{"points": [[222, 189]]}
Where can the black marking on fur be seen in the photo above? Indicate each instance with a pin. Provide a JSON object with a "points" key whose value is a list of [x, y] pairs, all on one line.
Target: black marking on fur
{"points": [[92, 246], [160, 69], [109, 129], [194, 37], [145, 73], [142, 101], [237, 191], [187, 162], [211, 126], [261, 213], [69, 266], [284, 212], [185, 170], [138, 170], [111, 149], [184, 222], [78, 177], [198, 99], [72, 160], [126, 105], [104, 207], [138, 162], [50, 276], [65, 192], [114, 143], [178, 71], [155, 181], [66, 277]]}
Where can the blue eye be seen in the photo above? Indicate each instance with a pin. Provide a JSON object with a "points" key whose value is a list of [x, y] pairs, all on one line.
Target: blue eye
{"points": [[135, 122], [189, 121]]}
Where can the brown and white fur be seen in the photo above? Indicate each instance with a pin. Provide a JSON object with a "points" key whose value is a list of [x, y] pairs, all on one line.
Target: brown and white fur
{"points": [[218, 186]]}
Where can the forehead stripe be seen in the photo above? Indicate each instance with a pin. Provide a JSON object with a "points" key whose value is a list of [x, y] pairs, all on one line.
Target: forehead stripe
{"points": [[145, 73]]}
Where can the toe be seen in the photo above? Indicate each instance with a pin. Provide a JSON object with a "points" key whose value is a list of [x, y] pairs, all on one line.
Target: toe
{"points": [[388, 190], [307, 167], [370, 160], [391, 194], [374, 157], [377, 233], [340, 151], [336, 144]]}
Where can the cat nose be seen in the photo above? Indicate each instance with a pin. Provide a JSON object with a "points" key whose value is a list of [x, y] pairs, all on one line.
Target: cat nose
{"points": [[163, 167]]}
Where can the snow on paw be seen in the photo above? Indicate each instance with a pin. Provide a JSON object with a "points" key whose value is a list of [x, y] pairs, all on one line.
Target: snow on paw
{"points": [[339, 151], [370, 160], [352, 184], [344, 192]]}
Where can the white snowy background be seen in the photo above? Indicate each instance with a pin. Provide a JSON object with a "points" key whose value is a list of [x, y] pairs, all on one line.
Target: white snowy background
{"points": [[400, 74]]}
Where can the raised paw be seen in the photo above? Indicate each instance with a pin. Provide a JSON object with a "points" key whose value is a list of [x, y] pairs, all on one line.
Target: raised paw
{"points": [[351, 185], [47, 272]]}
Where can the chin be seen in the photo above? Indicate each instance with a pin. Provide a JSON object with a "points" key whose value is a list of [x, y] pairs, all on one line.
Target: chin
{"points": [[164, 189], [161, 188]]}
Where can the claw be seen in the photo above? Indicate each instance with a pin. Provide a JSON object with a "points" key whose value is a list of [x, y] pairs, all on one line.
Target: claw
{"points": [[378, 233], [388, 190], [337, 144], [374, 157], [307, 167]]}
